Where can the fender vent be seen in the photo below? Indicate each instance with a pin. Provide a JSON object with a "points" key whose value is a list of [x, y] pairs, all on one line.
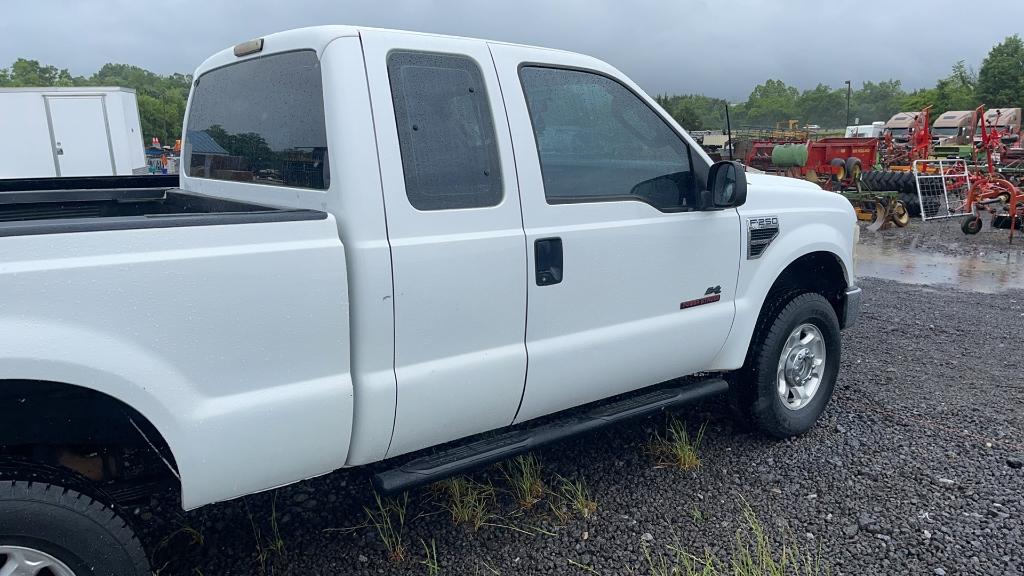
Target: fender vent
{"points": [[760, 233]]}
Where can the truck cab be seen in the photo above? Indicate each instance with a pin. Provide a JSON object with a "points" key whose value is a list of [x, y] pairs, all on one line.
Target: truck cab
{"points": [[482, 247]]}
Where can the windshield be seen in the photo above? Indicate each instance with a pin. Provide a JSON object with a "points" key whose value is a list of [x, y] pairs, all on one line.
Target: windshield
{"points": [[945, 131], [260, 121], [898, 131]]}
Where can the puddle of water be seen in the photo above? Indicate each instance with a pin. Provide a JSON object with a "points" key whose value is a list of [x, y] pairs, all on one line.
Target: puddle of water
{"points": [[989, 273]]}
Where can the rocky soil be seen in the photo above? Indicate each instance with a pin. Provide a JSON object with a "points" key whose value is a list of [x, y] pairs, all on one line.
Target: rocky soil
{"points": [[915, 468]]}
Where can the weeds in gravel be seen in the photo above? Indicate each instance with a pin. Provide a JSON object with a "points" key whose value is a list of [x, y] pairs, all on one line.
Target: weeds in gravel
{"points": [[468, 501], [573, 496], [523, 476], [271, 547], [388, 518], [753, 554], [676, 447], [697, 516], [430, 558]]}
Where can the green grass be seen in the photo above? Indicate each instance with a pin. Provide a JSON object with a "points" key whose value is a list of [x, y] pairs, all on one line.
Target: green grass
{"points": [[677, 448], [573, 498], [430, 558], [753, 554], [388, 518], [523, 475], [267, 548], [469, 502]]}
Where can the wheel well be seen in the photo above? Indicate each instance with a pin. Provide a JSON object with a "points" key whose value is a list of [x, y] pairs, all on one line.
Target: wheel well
{"points": [[89, 432], [820, 272]]}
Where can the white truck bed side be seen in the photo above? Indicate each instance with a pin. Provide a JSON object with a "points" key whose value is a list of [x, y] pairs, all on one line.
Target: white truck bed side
{"points": [[199, 329]]}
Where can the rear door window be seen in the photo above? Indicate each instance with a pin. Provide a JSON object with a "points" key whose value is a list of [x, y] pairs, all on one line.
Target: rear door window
{"points": [[445, 131], [260, 121]]}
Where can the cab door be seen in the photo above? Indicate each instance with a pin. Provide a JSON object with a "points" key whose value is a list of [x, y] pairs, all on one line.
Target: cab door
{"points": [[456, 236], [629, 284]]}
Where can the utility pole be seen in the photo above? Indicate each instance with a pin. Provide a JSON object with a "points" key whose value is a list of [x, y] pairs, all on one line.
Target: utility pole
{"points": [[848, 89], [728, 128]]}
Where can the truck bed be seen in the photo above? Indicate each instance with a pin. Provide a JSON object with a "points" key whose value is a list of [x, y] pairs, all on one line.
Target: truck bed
{"points": [[53, 205]]}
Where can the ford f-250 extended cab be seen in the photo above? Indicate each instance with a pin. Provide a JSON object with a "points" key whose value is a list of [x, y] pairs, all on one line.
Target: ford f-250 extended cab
{"points": [[385, 242]]}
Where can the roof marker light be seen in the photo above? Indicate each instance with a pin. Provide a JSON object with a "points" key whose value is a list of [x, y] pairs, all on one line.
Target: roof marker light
{"points": [[249, 47]]}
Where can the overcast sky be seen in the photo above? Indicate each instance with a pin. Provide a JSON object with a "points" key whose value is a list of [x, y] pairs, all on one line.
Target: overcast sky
{"points": [[716, 47]]}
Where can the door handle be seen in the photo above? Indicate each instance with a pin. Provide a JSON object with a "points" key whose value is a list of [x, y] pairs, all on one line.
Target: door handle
{"points": [[547, 256]]}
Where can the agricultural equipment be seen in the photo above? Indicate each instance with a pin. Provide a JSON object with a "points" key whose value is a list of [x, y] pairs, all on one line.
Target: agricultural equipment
{"points": [[970, 190], [991, 189], [906, 138], [834, 163]]}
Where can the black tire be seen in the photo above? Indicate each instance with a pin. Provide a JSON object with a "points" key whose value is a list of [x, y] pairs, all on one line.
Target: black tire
{"points": [[83, 533], [853, 166], [971, 225], [755, 385], [840, 165]]}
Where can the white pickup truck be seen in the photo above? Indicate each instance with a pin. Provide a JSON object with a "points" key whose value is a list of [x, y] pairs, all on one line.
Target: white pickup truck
{"points": [[384, 242]]}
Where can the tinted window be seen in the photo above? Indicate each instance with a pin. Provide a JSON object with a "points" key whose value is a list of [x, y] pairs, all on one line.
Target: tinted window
{"points": [[598, 141], [445, 131], [260, 121]]}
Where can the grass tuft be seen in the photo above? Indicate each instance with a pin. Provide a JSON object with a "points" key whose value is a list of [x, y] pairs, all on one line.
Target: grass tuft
{"points": [[469, 502], [676, 447], [388, 518], [524, 479], [269, 547], [430, 558], [753, 554], [573, 497]]}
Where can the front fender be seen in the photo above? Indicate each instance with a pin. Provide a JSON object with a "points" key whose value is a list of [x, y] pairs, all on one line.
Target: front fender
{"points": [[798, 237]]}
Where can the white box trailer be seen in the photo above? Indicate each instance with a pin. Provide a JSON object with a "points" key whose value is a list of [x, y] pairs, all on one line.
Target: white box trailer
{"points": [[87, 131]]}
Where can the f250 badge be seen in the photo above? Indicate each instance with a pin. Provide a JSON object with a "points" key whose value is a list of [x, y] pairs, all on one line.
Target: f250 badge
{"points": [[712, 294]]}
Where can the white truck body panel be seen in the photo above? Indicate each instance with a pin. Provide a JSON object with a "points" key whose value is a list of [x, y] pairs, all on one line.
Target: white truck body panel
{"points": [[459, 277], [86, 131], [625, 287], [204, 331]]}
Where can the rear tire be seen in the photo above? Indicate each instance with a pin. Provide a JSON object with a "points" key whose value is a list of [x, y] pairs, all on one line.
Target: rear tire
{"points": [[758, 386], [49, 522]]}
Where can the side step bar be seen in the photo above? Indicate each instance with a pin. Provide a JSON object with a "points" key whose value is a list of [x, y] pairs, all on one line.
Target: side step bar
{"points": [[460, 459]]}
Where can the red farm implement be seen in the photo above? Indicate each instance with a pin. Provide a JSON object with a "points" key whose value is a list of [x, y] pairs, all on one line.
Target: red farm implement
{"points": [[832, 162]]}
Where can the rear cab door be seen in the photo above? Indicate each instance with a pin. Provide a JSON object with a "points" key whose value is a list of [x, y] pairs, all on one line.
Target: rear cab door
{"points": [[629, 284], [456, 236]]}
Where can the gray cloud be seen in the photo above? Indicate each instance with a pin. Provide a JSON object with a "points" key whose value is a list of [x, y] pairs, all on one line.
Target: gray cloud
{"points": [[716, 47]]}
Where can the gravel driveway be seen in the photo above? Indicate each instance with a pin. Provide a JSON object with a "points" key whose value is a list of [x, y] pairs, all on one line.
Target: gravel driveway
{"points": [[915, 468]]}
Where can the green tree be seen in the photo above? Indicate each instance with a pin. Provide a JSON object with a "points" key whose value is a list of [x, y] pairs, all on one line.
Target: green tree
{"points": [[877, 101], [31, 73], [771, 102], [1001, 78], [822, 106], [954, 92]]}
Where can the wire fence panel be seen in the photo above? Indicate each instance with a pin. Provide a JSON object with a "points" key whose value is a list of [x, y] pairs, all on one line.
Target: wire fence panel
{"points": [[941, 188]]}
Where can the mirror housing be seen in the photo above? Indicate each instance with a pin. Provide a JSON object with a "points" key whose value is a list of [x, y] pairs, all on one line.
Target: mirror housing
{"points": [[727, 186]]}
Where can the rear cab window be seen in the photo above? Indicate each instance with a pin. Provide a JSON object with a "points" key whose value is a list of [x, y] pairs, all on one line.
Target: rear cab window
{"points": [[260, 121]]}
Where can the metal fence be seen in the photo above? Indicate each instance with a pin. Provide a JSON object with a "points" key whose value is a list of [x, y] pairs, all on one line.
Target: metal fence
{"points": [[941, 188]]}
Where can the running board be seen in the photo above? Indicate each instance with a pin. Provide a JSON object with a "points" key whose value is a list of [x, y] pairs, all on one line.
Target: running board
{"points": [[480, 453]]}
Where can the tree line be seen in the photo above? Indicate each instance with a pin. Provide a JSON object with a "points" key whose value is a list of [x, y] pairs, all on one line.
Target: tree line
{"points": [[999, 83], [161, 98]]}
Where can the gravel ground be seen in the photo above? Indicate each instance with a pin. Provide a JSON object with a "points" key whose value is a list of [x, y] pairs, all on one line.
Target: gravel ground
{"points": [[915, 468], [945, 237]]}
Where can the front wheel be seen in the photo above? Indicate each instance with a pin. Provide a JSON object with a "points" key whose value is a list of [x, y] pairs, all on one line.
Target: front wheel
{"points": [[46, 529], [791, 366]]}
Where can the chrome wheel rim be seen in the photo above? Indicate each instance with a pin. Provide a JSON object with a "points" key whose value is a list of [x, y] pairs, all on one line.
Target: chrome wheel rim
{"points": [[801, 366], [22, 561]]}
